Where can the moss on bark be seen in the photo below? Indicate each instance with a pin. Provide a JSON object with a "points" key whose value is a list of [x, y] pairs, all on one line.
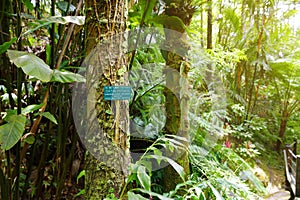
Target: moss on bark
{"points": [[176, 92], [104, 21]]}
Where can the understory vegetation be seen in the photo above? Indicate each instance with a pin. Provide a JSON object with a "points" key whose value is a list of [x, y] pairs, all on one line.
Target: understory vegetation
{"points": [[238, 64]]}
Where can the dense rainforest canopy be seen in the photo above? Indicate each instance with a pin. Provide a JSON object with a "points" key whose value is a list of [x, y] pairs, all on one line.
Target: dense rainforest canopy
{"points": [[147, 99]]}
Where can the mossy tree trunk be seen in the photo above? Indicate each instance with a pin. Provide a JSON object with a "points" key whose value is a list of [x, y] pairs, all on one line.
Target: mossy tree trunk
{"points": [[176, 91], [104, 20]]}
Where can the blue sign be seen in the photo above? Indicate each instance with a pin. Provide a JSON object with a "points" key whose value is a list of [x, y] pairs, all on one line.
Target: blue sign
{"points": [[117, 92]]}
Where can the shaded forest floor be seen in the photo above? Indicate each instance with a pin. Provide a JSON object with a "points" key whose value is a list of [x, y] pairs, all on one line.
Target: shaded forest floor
{"points": [[273, 166]]}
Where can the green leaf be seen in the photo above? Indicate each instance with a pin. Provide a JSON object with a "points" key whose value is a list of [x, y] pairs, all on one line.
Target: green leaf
{"points": [[145, 163], [157, 152], [9, 113], [176, 166], [31, 108], [232, 17], [66, 77], [28, 4], [79, 20], [48, 116], [12, 131], [133, 196], [183, 139], [30, 139], [81, 192], [143, 177], [31, 65], [3, 88], [248, 175], [6, 45], [161, 197], [171, 22], [81, 174], [215, 191], [63, 5]]}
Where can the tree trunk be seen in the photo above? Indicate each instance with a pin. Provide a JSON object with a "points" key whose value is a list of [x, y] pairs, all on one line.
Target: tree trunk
{"points": [[104, 20], [283, 124], [202, 27], [5, 67], [239, 72], [209, 25], [176, 91]]}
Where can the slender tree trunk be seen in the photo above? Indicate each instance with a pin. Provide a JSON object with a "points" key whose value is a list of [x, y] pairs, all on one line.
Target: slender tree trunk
{"points": [[283, 124], [252, 87], [5, 37], [239, 72], [239, 68], [105, 19], [202, 27], [209, 25], [243, 17], [260, 28], [177, 88], [238, 82], [208, 75]]}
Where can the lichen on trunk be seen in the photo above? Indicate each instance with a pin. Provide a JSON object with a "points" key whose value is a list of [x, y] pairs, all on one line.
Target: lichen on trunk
{"points": [[105, 22], [176, 91]]}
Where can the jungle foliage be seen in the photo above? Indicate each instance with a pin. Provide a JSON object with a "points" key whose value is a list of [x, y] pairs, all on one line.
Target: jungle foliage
{"points": [[240, 96]]}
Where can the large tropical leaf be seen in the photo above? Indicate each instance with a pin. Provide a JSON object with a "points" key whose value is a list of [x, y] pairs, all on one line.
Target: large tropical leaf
{"points": [[66, 77], [169, 21], [179, 169], [31, 65], [286, 66], [133, 196], [232, 17], [175, 165], [12, 131], [36, 67], [288, 71], [144, 178], [79, 20]]}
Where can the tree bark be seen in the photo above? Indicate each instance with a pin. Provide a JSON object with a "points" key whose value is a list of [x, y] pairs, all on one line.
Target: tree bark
{"points": [[176, 91], [283, 124], [5, 67], [239, 72], [104, 20], [209, 25]]}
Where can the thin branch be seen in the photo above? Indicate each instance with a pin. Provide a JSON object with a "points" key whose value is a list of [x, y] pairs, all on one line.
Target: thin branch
{"points": [[36, 123], [68, 37]]}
